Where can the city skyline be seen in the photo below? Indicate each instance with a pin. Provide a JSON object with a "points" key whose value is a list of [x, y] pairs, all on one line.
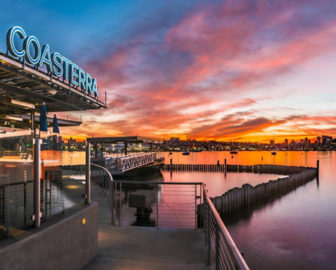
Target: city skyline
{"points": [[206, 70]]}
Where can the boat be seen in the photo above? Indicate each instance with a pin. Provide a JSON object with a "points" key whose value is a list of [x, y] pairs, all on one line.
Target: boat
{"points": [[233, 152], [274, 153], [186, 153]]}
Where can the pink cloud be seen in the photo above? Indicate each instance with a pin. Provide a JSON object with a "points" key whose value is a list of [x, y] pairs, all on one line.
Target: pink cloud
{"points": [[211, 55]]}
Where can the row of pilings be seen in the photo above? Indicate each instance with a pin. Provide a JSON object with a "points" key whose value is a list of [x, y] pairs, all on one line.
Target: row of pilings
{"points": [[249, 197], [269, 169]]}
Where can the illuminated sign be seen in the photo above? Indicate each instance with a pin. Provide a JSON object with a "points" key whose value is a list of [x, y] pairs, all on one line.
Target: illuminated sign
{"points": [[31, 51]]}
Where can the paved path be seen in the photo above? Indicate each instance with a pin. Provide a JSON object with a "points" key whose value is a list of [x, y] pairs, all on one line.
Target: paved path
{"points": [[144, 247]]}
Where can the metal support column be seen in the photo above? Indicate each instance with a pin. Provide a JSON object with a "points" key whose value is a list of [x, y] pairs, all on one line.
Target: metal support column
{"points": [[225, 167], [32, 119], [88, 174], [37, 182], [126, 144], [95, 146]]}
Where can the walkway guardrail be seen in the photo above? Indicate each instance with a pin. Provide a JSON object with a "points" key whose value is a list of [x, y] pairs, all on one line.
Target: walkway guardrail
{"points": [[175, 205], [159, 204], [222, 250]]}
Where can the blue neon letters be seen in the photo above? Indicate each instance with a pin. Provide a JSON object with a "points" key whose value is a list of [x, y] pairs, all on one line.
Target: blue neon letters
{"points": [[54, 62]]}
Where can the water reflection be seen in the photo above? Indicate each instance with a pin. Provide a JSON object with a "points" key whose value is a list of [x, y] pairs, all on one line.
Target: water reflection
{"points": [[296, 231]]}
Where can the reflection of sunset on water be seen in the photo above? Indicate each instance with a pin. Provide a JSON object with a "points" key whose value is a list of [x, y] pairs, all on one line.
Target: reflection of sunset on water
{"points": [[290, 158]]}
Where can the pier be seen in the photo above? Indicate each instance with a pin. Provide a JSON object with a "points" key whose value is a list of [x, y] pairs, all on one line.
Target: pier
{"points": [[249, 197], [258, 168], [120, 164]]}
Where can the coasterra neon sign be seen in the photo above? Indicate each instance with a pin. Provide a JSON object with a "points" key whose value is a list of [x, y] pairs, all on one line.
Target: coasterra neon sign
{"points": [[31, 52]]}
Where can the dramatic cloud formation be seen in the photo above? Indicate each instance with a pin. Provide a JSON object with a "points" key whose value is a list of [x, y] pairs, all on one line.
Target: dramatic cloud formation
{"points": [[226, 70]]}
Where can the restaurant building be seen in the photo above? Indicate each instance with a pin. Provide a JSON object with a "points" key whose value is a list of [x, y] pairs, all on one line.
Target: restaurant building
{"points": [[40, 218]]}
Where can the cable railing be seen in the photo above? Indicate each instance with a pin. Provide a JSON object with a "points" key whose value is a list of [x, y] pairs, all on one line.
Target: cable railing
{"points": [[174, 205], [156, 204], [222, 250]]}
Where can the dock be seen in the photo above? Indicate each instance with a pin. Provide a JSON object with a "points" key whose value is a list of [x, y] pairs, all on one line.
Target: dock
{"points": [[121, 164]]}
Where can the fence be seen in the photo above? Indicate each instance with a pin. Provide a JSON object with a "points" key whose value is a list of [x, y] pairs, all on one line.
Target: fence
{"points": [[258, 168], [159, 204], [195, 167], [17, 198], [16, 204]]}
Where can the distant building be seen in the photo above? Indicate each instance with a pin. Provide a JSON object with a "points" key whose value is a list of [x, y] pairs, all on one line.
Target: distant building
{"points": [[174, 140]]}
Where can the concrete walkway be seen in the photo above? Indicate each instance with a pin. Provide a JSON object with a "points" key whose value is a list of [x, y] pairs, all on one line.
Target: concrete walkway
{"points": [[144, 247]]}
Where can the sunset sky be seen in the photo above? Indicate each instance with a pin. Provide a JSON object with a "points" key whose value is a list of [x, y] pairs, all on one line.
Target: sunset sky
{"points": [[225, 70]]}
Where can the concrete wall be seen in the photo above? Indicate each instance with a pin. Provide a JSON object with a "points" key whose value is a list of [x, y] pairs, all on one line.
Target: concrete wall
{"points": [[67, 244]]}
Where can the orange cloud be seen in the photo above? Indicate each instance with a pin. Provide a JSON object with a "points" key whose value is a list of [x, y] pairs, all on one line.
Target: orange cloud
{"points": [[190, 78]]}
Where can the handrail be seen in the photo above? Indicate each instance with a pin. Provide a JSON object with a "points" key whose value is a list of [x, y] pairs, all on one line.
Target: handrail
{"points": [[235, 251], [15, 183], [159, 183], [106, 170]]}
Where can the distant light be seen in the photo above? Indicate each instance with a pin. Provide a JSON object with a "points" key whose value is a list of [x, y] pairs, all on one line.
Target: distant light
{"points": [[52, 92], [23, 104], [83, 221], [14, 118], [72, 187]]}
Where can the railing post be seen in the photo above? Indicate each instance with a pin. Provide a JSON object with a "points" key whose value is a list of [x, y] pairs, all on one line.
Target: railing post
{"points": [[111, 184], [120, 206], [88, 175], [208, 234], [205, 224], [37, 181], [25, 203], [195, 207], [217, 247], [157, 209]]}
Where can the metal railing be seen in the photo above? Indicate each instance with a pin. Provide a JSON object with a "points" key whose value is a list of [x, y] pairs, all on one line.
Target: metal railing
{"points": [[135, 160], [120, 164], [16, 204], [16, 200], [222, 250], [159, 204], [174, 205]]}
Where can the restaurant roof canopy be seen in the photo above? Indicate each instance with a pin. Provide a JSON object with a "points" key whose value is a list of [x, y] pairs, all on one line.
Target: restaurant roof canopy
{"points": [[129, 139], [25, 84]]}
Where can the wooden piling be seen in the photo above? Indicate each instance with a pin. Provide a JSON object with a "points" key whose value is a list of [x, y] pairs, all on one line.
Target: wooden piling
{"points": [[248, 196]]}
